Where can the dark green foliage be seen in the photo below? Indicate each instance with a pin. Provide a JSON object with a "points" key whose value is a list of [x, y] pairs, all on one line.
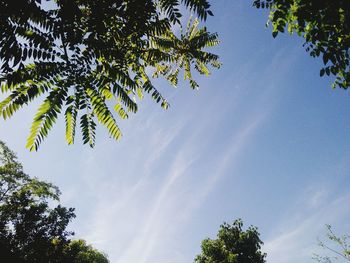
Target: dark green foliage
{"points": [[30, 230], [81, 53], [83, 253], [233, 245], [325, 26]]}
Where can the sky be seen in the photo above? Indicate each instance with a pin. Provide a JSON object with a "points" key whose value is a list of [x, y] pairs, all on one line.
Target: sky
{"points": [[264, 139]]}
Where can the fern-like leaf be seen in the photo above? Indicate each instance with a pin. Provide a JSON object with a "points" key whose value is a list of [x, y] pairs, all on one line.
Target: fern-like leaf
{"points": [[88, 128], [45, 118], [103, 114], [71, 116]]}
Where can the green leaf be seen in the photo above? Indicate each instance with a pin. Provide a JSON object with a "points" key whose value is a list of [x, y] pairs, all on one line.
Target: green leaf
{"points": [[103, 114], [97, 60], [71, 116], [45, 118], [88, 128]]}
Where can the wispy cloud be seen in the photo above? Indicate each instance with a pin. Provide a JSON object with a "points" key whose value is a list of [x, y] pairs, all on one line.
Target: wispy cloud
{"points": [[229, 158], [131, 219], [138, 220], [143, 244], [296, 240]]}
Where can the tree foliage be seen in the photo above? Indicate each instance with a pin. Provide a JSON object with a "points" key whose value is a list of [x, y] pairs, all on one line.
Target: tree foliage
{"points": [[30, 230], [233, 245], [325, 26], [338, 246], [88, 58]]}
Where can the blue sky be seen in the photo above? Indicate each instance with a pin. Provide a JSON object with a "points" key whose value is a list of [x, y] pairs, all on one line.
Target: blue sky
{"points": [[265, 139]]}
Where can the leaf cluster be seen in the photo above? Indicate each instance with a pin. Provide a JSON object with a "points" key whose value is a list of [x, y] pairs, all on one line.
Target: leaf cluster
{"points": [[15, 183], [233, 245], [83, 253], [89, 58], [325, 26]]}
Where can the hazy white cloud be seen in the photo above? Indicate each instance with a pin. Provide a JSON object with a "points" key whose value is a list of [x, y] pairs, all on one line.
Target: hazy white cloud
{"points": [[144, 213], [138, 220], [153, 224], [296, 240], [229, 158]]}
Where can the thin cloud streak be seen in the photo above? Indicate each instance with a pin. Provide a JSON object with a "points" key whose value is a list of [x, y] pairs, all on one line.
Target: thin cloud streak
{"points": [[150, 231], [157, 217], [230, 157], [299, 242], [143, 246]]}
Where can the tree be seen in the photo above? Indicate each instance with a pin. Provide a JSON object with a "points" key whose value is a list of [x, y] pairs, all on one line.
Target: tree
{"points": [[232, 245], [83, 253], [339, 246], [86, 56], [30, 230], [325, 26]]}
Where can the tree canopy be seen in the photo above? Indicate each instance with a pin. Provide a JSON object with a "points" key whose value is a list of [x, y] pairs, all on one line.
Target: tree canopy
{"points": [[30, 229], [232, 245], [92, 61], [325, 26], [85, 57]]}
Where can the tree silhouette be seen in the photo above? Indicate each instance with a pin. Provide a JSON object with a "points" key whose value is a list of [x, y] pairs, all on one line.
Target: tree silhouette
{"points": [[30, 229]]}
